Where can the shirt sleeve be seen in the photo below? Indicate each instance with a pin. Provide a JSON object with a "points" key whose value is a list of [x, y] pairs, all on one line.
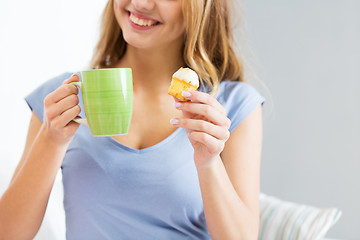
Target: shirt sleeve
{"points": [[35, 99], [239, 100]]}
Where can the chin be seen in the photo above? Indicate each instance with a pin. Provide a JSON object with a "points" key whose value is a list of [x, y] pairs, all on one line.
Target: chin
{"points": [[139, 43]]}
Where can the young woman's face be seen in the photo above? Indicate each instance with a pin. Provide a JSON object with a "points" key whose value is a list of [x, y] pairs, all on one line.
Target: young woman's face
{"points": [[150, 23]]}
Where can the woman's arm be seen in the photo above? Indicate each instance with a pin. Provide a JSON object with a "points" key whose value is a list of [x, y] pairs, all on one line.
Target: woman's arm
{"points": [[23, 205], [230, 186], [228, 166]]}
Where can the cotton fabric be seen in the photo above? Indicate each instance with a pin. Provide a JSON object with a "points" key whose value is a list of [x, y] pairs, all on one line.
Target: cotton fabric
{"points": [[112, 191]]}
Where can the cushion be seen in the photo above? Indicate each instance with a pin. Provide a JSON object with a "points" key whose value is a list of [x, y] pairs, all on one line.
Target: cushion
{"points": [[287, 220]]}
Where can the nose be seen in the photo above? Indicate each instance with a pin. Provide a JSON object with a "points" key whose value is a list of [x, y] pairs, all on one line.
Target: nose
{"points": [[143, 5]]}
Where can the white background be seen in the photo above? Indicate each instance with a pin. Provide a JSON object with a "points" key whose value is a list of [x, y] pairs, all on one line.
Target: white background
{"points": [[39, 40], [307, 54]]}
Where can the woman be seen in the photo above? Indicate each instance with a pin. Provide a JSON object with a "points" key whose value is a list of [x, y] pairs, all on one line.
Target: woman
{"points": [[196, 177]]}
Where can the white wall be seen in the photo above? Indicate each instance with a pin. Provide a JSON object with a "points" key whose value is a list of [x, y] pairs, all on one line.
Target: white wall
{"points": [[308, 55], [39, 39]]}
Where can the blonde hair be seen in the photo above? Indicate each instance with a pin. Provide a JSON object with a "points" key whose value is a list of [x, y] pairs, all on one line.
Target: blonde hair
{"points": [[208, 42]]}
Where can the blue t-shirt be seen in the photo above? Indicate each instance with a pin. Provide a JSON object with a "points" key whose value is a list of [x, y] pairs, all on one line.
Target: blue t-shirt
{"points": [[112, 191]]}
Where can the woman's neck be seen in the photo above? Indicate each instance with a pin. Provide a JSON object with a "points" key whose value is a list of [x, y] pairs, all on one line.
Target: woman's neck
{"points": [[152, 68]]}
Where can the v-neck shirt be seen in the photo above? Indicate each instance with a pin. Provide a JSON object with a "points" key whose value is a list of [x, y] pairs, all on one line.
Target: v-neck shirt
{"points": [[112, 191]]}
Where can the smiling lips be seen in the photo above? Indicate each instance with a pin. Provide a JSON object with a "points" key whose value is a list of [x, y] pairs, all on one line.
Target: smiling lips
{"points": [[140, 21]]}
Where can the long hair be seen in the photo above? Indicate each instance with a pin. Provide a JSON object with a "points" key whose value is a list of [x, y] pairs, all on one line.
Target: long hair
{"points": [[208, 42], [111, 45]]}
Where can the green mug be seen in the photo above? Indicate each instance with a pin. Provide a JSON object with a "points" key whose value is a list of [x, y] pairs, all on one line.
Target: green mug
{"points": [[108, 100]]}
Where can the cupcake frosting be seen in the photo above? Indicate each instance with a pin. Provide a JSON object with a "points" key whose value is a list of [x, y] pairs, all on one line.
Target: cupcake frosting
{"points": [[187, 75]]}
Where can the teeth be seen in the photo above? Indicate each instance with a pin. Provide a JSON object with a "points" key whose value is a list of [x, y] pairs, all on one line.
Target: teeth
{"points": [[141, 22]]}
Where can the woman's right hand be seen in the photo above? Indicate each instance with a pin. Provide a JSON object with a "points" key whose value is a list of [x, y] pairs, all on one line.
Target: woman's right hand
{"points": [[60, 108]]}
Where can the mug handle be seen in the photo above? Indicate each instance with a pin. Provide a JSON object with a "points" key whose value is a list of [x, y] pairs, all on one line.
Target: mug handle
{"points": [[79, 119]]}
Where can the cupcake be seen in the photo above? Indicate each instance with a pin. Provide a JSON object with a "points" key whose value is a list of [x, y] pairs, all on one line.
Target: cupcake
{"points": [[183, 79]]}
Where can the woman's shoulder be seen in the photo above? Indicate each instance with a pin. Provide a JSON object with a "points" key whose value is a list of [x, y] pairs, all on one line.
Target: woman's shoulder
{"points": [[230, 91], [55, 82], [51, 84], [36, 97], [239, 99]]}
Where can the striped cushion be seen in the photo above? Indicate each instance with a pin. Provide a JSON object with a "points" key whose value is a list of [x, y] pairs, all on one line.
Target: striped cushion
{"points": [[280, 220]]}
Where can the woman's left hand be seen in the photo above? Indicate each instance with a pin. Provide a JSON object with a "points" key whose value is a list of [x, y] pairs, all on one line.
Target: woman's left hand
{"points": [[206, 124]]}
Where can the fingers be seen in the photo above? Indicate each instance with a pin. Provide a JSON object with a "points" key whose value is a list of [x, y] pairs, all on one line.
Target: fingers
{"points": [[214, 115], [73, 78], [178, 100], [64, 90], [62, 99], [205, 121], [211, 143], [60, 93], [205, 98], [66, 117], [63, 105], [60, 108], [196, 125]]}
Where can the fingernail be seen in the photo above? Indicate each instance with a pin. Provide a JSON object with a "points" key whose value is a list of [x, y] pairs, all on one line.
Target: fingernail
{"points": [[186, 94], [74, 74], [174, 121], [178, 105]]}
